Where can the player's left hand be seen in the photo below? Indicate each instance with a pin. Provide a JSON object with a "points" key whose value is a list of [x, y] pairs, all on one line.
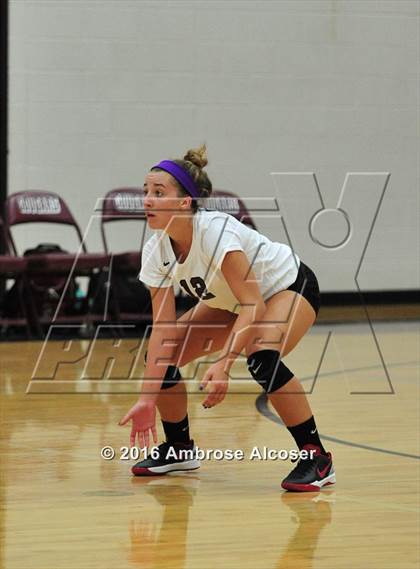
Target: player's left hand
{"points": [[218, 378]]}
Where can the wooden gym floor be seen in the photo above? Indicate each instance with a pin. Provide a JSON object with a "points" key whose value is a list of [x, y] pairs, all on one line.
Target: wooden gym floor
{"points": [[63, 506]]}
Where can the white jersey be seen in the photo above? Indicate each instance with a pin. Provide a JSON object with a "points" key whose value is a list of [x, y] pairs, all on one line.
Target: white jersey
{"points": [[214, 234]]}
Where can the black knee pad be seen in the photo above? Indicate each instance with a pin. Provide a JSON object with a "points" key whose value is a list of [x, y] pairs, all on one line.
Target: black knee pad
{"points": [[268, 370], [171, 378]]}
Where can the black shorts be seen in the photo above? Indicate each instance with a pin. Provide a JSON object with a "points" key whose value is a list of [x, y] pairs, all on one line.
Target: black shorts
{"points": [[306, 284]]}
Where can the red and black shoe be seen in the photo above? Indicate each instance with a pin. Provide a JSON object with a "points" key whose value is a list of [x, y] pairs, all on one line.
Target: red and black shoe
{"points": [[311, 474], [168, 457]]}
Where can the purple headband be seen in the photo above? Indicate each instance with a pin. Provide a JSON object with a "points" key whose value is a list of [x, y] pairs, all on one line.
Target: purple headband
{"points": [[179, 174]]}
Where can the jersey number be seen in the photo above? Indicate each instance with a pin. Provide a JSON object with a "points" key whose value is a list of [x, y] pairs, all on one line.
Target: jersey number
{"points": [[199, 287]]}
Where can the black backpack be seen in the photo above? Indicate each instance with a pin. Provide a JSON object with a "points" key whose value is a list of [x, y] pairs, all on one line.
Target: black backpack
{"points": [[131, 294], [46, 290]]}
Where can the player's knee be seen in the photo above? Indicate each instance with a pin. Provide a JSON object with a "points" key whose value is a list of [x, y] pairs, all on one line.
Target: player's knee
{"points": [[268, 370], [171, 377]]}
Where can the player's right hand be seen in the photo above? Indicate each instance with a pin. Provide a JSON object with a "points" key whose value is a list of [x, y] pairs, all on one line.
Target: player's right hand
{"points": [[143, 416]]}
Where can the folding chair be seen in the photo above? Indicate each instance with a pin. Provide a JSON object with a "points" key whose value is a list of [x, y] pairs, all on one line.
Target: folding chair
{"points": [[118, 205], [126, 204], [221, 200], [13, 267], [37, 206]]}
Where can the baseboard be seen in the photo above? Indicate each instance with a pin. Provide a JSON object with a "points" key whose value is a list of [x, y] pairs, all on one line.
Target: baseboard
{"points": [[409, 296]]}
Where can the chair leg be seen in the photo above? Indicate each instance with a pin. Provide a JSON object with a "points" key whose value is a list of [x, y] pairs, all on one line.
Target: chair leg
{"points": [[97, 282], [115, 306], [111, 306], [29, 308]]}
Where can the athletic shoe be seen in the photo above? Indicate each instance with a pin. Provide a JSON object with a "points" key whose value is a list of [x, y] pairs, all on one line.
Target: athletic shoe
{"points": [[166, 461], [311, 474]]}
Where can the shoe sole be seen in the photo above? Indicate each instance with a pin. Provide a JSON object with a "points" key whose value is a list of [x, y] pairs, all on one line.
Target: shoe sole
{"points": [[159, 470], [313, 487]]}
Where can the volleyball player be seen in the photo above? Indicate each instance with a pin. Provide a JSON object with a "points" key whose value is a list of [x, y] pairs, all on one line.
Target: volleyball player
{"points": [[259, 297]]}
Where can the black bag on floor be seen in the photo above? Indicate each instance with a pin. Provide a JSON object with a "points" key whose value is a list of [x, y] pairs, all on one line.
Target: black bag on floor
{"points": [[46, 289], [131, 294]]}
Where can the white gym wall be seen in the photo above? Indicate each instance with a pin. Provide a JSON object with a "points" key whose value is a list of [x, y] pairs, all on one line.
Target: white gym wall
{"points": [[102, 90]]}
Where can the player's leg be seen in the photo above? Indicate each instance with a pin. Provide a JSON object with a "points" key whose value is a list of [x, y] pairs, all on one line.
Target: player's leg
{"points": [[288, 317], [201, 330]]}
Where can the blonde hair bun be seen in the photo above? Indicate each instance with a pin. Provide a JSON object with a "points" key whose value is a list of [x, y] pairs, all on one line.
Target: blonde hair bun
{"points": [[198, 156]]}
